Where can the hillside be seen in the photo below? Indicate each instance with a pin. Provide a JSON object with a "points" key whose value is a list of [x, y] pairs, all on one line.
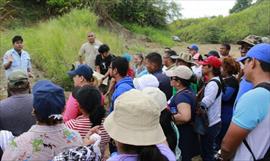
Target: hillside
{"points": [[54, 44], [253, 20]]}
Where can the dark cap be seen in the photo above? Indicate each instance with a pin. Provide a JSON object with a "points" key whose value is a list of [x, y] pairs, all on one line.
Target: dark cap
{"points": [[83, 70], [49, 99], [212, 53]]}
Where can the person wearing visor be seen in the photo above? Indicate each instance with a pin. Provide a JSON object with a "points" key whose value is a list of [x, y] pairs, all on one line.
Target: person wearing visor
{"points": [[183, 105]]}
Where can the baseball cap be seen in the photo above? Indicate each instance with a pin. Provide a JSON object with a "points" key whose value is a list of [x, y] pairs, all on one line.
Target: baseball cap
{"points": [[144, 81], [83, 70], [17, 79], [48, 99], [260, 52], [250, 40], [180, 71], [135, 120], [212, 53], [194, 47], [211, 60]]}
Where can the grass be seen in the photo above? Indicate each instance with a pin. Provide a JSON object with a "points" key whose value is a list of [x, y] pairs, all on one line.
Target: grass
{"points": [[54, 44], [161, 36]]}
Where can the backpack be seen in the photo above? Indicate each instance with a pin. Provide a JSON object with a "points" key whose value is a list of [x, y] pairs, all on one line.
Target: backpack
{"points": [[267, 154], [201, 121]]}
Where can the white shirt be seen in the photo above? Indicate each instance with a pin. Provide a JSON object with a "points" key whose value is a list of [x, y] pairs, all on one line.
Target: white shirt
{"points": [[212, 103]]}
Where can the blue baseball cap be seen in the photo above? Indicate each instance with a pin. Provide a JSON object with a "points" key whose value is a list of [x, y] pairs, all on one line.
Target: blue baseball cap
{"points": [[194, 47], [83, 70], [48, 98], [260, 52]]}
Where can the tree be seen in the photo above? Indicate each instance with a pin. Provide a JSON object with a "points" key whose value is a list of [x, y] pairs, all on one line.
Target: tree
{"points": [[240, 5], [146, 12]]}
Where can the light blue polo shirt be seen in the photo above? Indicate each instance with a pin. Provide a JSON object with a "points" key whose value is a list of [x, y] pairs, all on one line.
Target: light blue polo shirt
{"points": [[252, 108], [252, 112], [22, 62]]}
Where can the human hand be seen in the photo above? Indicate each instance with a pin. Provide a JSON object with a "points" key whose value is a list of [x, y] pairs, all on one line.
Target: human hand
{"points": [[92, 136]]}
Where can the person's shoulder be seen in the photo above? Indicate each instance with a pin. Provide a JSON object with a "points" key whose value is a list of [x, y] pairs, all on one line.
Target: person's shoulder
{"points": [[8, 52], [98, 42], [257, 93], [85, 44]]}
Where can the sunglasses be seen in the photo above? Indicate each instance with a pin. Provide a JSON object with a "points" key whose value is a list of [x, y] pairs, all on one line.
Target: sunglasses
{"points": [[174, 78]]}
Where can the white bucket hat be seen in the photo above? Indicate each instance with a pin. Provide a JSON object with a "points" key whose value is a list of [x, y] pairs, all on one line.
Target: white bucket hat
{"points": [[157, 95], [180, 71], [144, 81], [135, 120]]}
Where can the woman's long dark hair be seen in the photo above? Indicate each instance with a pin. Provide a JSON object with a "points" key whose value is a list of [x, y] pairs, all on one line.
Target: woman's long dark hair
{"points": [[166, 120], [89, 99], [145, 153]]}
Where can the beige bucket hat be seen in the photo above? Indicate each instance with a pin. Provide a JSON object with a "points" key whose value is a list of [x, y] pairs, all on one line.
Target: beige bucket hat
{"points": [[181, 71], [135, 120]]}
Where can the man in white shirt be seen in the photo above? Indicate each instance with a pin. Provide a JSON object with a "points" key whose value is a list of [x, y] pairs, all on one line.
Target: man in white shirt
{"points": [[89, 50], [17, 58]]}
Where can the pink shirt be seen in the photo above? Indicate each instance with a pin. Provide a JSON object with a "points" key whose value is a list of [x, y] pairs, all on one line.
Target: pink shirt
{"points": [[72, 109]]}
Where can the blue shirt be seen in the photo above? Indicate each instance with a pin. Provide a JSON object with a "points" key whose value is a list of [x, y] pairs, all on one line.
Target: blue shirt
{"points": [[121, 86], [164, 83], [244, 86], [252, 108], [22, 62]]}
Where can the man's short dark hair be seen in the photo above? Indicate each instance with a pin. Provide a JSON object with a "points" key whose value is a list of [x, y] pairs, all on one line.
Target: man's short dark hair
{"points": [[227, 46], [17, 38], [265, 66], [154, 58], [121, 64], [103, 48]]}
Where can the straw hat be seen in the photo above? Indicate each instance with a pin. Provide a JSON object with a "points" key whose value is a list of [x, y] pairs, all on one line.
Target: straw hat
{"points": [[135, 120]]}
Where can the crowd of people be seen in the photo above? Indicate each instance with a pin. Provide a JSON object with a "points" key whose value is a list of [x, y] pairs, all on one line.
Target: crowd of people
{"points": [[141, 107]]}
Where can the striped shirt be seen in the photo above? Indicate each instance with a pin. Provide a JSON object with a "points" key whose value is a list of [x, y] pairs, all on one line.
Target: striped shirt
{"points": [[82, 124]]}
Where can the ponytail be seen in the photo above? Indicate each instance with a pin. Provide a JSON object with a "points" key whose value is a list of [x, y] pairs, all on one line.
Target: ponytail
{"points": [[89, 99], [97, 115], [217, 73]]}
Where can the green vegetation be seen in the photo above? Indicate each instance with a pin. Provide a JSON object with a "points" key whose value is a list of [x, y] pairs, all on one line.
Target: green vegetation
{"points": [[161, 36], [253, 20], [54, 45]]}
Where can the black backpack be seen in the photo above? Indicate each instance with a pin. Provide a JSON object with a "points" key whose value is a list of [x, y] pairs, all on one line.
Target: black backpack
{"points": [[267, 155]]}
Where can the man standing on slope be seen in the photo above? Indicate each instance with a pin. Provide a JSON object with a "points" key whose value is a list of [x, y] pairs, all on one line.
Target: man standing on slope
{"points": [[89, 50], [17, 58]]}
